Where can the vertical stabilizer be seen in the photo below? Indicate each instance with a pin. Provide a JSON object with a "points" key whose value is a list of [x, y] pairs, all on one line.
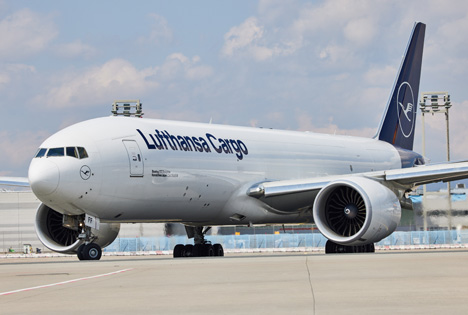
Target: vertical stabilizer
{"points": [[398, 123]]}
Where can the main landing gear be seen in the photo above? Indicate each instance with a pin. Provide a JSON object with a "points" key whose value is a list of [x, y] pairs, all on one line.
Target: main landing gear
{"points": [[202, 247], [333, 248]]}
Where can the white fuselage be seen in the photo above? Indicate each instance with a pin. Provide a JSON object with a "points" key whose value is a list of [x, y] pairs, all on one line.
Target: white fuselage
{"points": [[145, 170]]}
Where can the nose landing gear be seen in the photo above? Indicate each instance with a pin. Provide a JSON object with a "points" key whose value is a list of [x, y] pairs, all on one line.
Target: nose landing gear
{"points": [[90, 251]]}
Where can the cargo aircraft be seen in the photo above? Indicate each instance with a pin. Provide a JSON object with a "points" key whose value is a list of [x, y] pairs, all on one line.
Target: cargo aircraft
{"points": [[94, 175]]}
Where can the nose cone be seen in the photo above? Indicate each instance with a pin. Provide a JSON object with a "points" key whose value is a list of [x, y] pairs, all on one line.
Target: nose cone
{"points": [[43, 177]]}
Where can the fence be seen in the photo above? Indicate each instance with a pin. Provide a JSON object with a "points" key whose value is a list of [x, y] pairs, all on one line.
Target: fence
{"points": [[312, 240]]}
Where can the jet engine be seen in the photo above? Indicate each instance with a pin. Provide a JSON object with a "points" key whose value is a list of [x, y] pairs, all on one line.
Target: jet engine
{"points": [[356, 211], [59, 237]]}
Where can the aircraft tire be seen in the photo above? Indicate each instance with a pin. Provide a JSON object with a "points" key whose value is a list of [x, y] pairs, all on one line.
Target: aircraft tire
{"points": [[188, 250], [198, 250], [92, 251], [79, 252], [178, 251], [208, 250], [218, 250], [333, 248], [330, 247]]}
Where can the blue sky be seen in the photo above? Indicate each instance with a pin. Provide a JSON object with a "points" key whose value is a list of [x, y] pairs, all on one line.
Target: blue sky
{"points": [[324, 66]]}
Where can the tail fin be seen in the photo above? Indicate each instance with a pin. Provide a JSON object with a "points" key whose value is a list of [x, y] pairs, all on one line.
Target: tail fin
{"points": [[398, 123]]}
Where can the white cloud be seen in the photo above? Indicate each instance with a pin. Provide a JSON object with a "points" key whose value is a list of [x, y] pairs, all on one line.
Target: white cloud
{"points": [[115, 79], [178, 65], [160, 30], [25, 33], [436, 133], [179, 115], [337, 54], [305, 123], [284, 28], [249, 39], [9, 72], [119, 79], [459, 130], [18, 148], [274, 11], [360, 31], [243, 36], [199, 72], [75, 49], [378, 75], [4, 78]]}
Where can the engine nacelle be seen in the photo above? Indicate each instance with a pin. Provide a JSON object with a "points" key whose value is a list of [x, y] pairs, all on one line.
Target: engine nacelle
{"points": [[356, 211], [56, 237]]}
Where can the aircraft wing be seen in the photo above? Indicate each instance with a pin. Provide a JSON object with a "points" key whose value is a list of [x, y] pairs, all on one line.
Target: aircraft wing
{"points": [[294, 195], [14, 181], [427, 174]]}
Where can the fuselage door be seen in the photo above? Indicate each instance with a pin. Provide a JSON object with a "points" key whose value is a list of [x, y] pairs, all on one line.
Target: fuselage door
{"points": [[135, 158]]}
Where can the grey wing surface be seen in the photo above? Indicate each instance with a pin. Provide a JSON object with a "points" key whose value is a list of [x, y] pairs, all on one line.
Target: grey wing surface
{"points": [[14, 181], [296, 195]]}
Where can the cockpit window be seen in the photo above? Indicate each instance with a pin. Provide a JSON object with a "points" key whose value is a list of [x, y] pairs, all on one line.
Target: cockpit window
{"points": [[82, 152], [71, 151], [41, 152], [55, 152], [75, 152]]}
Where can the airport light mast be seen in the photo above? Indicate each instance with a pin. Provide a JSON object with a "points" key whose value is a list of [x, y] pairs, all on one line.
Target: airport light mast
{"points": [[127, 108], [436, 102]]}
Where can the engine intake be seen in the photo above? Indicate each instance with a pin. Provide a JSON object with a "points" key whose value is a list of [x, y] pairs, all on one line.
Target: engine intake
{"points": [[55, 236], [356, 211]]}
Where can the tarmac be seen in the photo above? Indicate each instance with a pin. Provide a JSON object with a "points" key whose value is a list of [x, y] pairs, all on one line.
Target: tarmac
{"points": [[405, 282]]}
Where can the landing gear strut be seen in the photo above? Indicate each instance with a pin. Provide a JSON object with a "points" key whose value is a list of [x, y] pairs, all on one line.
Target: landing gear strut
{"points": [[333, 248], [88, 250], [202, 247]]}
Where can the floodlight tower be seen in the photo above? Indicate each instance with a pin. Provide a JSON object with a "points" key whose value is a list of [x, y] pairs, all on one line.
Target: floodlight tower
{"points": [[436, 102]]}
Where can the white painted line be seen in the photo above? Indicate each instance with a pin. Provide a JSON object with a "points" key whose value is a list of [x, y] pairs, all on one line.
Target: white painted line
{"points": [[65, 282]]}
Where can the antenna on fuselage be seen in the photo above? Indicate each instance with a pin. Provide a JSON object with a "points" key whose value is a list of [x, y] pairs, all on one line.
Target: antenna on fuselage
{"points": [[127, 108]]}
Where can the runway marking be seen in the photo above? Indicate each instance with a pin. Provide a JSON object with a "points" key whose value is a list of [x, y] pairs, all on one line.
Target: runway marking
{"points": [[65, 282]]}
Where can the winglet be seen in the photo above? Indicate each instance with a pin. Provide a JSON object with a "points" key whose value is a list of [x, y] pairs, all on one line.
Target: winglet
{"points": [[398, 123]]}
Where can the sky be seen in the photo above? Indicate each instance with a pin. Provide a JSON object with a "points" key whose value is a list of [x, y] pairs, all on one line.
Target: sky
{"points": [[322, 66]]}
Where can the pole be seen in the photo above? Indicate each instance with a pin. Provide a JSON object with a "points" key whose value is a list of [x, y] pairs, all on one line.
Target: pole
{"points": [[449, 196], [424, 186], [435, 107]]}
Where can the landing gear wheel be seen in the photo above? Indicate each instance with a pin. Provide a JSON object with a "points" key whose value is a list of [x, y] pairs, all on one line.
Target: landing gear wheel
{"points": [[330, 247], [79, 252], [178, 251], [208, 250], [188, 250], [333, 248], [198, 250], [201, 247], [92, 251], [218, 250]]}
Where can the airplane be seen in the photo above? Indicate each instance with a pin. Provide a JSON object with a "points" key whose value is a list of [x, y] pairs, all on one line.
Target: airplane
{"points": [[96, 174]]}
